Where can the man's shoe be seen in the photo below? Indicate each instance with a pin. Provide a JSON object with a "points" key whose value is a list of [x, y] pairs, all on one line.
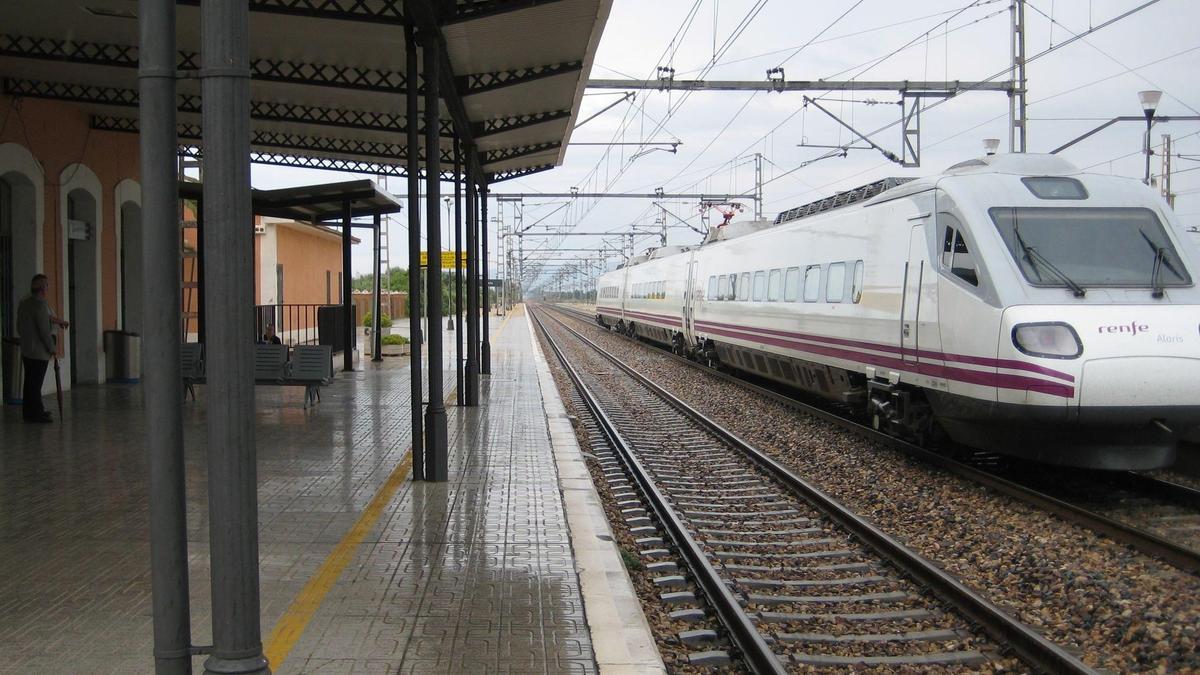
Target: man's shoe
{"points": [[44, 419]]}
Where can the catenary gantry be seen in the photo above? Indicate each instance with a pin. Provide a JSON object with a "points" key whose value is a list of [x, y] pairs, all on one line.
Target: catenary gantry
{"points": [[473, 91]]}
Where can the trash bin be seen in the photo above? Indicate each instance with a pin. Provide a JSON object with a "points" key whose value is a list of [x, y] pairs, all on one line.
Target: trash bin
{"points": [[13, 371], [122, 356]]}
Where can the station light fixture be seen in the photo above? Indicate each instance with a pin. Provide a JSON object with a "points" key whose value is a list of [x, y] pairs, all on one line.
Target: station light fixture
{"points": [[1149, 100]]}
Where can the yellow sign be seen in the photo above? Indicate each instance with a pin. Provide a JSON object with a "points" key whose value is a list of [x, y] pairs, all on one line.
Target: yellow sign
{"points": [[447, 259]]}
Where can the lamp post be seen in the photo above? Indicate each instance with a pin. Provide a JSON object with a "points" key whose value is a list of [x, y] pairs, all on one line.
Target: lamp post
{"points": [[1149, 99]]}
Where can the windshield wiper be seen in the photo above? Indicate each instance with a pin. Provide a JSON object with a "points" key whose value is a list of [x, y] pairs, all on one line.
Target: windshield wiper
{"points": [[1160, 261], [1034, 256]]}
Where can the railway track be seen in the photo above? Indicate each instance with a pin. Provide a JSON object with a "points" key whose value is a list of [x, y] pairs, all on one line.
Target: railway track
{"points": [[1153, 516], [796, 578]]}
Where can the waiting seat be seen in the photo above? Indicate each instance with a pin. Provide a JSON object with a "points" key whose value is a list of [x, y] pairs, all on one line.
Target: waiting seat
{"points": [[191, 357], [312, 366], [270, 363]]}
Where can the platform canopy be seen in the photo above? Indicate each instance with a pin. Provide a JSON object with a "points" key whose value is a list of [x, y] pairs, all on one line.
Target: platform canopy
{"points": [[328, 76], [315, 204]]}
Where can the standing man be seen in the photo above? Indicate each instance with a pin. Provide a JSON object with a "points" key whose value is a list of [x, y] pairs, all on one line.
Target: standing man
{"points": [[35, 322]]}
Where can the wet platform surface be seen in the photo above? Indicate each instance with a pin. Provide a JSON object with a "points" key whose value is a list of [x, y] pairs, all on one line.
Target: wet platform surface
{"points": [[362, 570]]}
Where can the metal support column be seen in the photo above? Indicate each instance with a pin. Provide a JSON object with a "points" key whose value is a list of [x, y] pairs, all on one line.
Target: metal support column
{"points": [[229, 328], [348, 337], [437, 465], [413, 169], [458, 333], [377, 303], [198, 267], [485, 351], [471, 372], [161, 332]]}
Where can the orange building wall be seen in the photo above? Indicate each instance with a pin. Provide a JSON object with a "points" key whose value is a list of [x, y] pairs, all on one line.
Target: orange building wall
{"points": [[306, 254], [57, 135]]}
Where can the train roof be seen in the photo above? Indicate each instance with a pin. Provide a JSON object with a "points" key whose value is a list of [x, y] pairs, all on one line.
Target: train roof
{"points": [[837, 201], [1022, 164]]}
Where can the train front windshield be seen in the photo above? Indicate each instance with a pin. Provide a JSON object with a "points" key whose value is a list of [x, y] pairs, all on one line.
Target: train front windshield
{"points": [[1065, 246]]}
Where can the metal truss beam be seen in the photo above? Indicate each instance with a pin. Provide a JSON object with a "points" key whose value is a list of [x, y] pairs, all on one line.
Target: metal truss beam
{"points": [[670, 84], [481, 9], [503, 124], [505, 154], [313, 162], [302, 73], [517, 173], [271, 70], [388, 12], [304, 143], [267, 111], [479, 83]]}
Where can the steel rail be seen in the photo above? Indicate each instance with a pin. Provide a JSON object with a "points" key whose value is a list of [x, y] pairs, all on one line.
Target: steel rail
{"points": [[754, 649], [1001, 626], [1141, 540], [1163, 489]]}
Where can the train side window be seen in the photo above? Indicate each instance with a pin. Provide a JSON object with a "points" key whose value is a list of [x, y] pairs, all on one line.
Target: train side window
{"points": [[791, 285], [743, 286], [733, 287], [856, 287], [760, 286], [835, 284], [775, 285], [712, 287], [956, 256], [812, 283], [723, 287]]}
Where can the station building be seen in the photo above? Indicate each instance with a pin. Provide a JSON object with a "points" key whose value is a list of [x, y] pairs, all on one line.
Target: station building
{"points": [[70, 208]]}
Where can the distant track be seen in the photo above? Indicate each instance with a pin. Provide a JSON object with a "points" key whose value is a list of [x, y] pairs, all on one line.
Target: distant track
{"points": [[1139, 538], [728, 507]]}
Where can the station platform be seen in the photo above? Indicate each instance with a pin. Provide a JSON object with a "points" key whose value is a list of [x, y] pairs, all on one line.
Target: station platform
{"points": [[507, 567]]}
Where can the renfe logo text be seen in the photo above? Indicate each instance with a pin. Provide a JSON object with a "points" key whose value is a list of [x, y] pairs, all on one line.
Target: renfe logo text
{"points": [[1133, 328]]}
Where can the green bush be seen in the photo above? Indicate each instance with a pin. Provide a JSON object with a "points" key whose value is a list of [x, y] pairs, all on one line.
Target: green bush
{"points": [[394, 340], [385, 321]]}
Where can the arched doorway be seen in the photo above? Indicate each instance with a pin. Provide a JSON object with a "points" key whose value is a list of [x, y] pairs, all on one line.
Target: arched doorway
{"points": [[21, 212], [81, 220], [130, 284]]}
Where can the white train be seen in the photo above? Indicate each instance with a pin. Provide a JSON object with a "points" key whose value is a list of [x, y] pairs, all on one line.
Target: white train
{"points": [[1013, 303]]}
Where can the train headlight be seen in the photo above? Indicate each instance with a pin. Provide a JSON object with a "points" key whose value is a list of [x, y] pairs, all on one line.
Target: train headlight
{"points": [[1052, 340]]}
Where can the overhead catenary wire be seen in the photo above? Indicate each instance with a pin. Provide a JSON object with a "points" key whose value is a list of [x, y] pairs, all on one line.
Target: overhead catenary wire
{"points": [[1005, 71]]}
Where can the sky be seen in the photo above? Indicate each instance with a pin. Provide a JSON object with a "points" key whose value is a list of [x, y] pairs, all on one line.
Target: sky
{"points": [[1072, 88]]}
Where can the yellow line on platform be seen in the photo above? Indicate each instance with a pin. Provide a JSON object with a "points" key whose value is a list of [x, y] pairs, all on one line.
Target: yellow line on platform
{"points": [[291, 625], [507, 317]]}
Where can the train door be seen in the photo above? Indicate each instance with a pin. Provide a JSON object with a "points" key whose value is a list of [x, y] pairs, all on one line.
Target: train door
{"points": [[910, 312], [689, 337]]}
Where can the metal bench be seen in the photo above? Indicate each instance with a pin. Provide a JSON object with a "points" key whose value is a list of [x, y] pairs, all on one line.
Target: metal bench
{"points": [[191, 357], [312, 366], [270, 363]]}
